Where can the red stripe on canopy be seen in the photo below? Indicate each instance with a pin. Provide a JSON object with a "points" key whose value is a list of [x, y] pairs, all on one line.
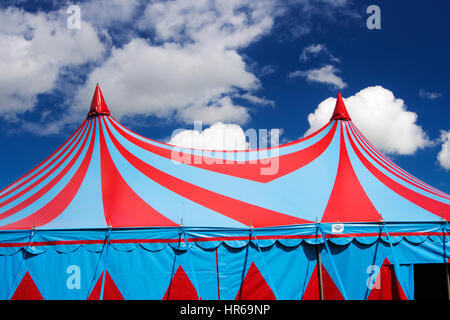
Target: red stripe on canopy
{"points": [[122, 206], [50, 185], [243, 212], [60, 202], [438, 208], [77, 133], [348, 201], [243, 169], [383, 163], [46, 175]]}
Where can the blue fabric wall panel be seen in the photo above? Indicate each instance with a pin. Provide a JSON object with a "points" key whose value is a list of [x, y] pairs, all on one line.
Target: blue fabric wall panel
{"points": [[354, 260], [140, 273], [12, 271], [51, 272]]}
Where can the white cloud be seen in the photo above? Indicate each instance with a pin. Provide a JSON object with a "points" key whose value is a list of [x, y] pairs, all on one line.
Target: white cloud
{"points": [[171, 80], [266, 70], [221, 109], [224, 24], [193, 70], [256, 100], [225, 136], [429, 95], [33, 49], [325, 74], [219, 136], [382, 118], [186, 66], [103, 13], [304, 16], [314, 50], [444, 155]]}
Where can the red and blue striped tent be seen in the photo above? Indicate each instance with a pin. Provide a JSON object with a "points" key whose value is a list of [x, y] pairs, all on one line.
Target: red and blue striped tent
{"points": [[114, 215]]}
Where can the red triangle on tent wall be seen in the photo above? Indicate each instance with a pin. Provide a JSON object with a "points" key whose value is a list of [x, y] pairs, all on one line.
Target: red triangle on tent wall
{"points": [[27, 290], [390, 288], [180, 288], [330, 290], [110, 290], [254, 286]]}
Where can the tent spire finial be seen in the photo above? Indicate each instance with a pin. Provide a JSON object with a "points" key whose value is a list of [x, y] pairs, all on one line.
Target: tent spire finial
{"points": [[98, 104], [340, 111]]}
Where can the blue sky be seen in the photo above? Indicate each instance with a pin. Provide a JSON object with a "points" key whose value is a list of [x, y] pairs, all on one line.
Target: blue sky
{"points": [[163, 65]]}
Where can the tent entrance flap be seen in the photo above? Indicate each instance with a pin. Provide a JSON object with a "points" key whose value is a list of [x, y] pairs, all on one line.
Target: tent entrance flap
{"points": [[430, 281]]}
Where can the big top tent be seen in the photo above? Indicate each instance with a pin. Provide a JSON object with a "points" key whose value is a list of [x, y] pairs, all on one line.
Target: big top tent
{"points": [[114, 215]]}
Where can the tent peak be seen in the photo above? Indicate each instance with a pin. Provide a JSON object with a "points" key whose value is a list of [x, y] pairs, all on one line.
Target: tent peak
{"points": [[340, 111], [98, 104]]}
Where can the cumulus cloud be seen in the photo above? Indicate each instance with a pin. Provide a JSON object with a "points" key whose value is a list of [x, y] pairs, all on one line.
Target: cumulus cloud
{"points": [[444, 155], [219, 136], [192, 70], [325, 74], [174, 59], [171, 80], [34, 49], [225, 136], [382, 117]]}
